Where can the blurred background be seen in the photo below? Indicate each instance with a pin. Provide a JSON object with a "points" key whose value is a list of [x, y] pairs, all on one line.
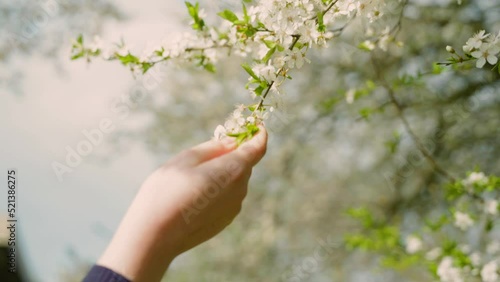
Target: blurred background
{"points": [[330, 148]]}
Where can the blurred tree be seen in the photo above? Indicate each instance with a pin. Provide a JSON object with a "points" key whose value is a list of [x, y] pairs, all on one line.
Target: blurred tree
{"points": [[384, 129], [42, 28]]}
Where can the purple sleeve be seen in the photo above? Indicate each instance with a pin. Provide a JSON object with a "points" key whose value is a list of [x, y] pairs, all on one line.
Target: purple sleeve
{"points": [[102, 274]]}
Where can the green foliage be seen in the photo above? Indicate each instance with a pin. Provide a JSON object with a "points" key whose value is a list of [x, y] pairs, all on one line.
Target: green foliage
{"points": [[327, 105], [228, 15], [79, 39], [459, 188], [321, 24], [363, 215], [145, 67], [268, 55], [241, 137], [128, 59], [210, 67], [365, 46], [246, 17], [400, 261], [366, 112], [79, 51], [436, 225], [393, 144], [438, 68], [384, 238], [258, 91], [407, 80], [193, 10]]}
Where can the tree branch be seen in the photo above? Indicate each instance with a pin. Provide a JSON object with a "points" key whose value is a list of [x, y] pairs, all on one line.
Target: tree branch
{"points": [[402, 117]]}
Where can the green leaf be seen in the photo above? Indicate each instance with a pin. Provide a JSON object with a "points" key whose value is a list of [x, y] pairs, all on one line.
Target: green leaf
{"points": [[393, 143], [128, 59], [363, 215], [209, 67], [228, 15], [436, 224], [77, 56], [80, 39], [250, 31], [249, 70], [146, 67], [270, 44], [366, 113], [489, 225], [198, 25], [366, 46], [240, 139], [321, 24], [252, 129], [259, 90], [326, 106], [252, 107], [433, 267], [191, 9], [245, 14], [234, 134], [370, 85], [268, 55], [437, 68]]}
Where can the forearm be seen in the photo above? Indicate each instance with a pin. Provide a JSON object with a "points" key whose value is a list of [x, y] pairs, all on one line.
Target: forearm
{"points": [[140, 249], [210, 179]]}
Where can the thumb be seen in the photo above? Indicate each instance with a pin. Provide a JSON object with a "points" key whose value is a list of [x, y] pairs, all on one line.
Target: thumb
{"points": [[253, 150], [245, 156]]}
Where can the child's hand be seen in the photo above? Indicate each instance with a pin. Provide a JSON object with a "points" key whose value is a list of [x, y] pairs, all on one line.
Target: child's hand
{"points": [[185, 202]]}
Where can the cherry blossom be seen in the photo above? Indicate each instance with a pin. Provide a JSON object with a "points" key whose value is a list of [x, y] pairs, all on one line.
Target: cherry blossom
{"points": [[486, 53]]}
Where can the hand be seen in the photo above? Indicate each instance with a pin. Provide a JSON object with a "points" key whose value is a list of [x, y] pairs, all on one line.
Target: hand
{"points": [[185, 202]]}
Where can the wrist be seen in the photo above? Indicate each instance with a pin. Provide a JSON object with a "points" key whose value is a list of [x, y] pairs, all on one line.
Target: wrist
{"points": [[140, 250]]}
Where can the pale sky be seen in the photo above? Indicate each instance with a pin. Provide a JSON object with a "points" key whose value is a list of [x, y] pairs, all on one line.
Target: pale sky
{"points": [[81, 211]]}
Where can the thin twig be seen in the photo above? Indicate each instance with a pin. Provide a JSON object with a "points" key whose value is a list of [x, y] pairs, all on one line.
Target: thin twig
{"points": [[296, 38], [415, 138], [406, 124]]}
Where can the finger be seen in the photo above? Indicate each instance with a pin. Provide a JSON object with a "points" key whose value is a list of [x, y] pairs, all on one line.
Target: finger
{"points": [[203, 152], [252, 151], [241, 159], [255, 148]]}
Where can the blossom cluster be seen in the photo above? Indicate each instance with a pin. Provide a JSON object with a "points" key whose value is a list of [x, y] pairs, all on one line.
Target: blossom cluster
{"points": [[274, 35], [473, 208], [482, 47], [458, 262]]}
